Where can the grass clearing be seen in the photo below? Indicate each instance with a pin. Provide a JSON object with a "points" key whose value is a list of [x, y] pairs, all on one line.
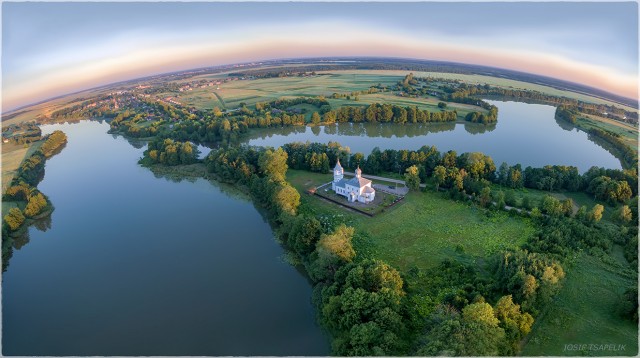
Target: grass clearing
{"points": [[585, 312]]}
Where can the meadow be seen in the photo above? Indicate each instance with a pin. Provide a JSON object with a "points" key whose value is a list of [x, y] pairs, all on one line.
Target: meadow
{"points": [[586, 312], [427, 227]]}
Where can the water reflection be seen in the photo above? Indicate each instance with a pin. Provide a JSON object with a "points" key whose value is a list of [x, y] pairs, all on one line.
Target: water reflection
{"points": [[527, 134], [139, 266]]}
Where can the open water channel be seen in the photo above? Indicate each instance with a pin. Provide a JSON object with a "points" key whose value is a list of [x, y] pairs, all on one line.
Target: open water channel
{"points": [[525, 133], [138, 265]]}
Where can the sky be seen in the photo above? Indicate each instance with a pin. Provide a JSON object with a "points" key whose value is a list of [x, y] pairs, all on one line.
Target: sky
{"points": [[54, 48]]}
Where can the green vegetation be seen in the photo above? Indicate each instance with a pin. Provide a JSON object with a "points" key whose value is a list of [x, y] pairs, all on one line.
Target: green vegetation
{"points": [[586, 311], [170, 152], [438, 229], [25, 202], [444, 273]]}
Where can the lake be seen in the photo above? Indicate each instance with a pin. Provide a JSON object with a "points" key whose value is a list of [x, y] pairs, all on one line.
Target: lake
{"points": [[525, 133], [138, 265]]}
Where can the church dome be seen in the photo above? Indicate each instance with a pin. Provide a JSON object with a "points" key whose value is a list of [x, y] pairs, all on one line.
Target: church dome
{"points": [[358, 172]]}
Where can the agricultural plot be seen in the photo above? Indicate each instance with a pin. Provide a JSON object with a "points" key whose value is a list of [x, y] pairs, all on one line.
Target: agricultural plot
{"points": [[234, 93], [628, 133], [495, 81], [12, 157]]}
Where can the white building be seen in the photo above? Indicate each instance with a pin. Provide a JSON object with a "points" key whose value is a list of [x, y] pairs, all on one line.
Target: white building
{"points": [[354, 189]]}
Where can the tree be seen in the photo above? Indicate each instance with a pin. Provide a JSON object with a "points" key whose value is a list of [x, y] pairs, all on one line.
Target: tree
{"points": [[551, 206], [14, 218], [595, 214], [508, 313], [218, 113], [274, 164], [480, 312], [567, 207], [411, 178], [287, 199], [582, 213], [315, 118], [624, 214], [337, 244], [357, 160], [35, 205], [515, 323], [304, 235], [499, 199], [440, 173], [503, 174], [330, 117], [442, 105], [485, 196]]}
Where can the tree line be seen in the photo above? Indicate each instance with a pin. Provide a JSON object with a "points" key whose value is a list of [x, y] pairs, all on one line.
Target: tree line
{"points": [[23, 191], [460, 91], [626, 154]]}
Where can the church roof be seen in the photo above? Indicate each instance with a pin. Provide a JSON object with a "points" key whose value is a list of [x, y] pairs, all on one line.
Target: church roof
{"points": [[338, 166], [341, 183], [358, 181], [369, 190]]}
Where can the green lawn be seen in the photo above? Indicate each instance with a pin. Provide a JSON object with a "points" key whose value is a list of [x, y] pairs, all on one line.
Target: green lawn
{"points": [[585, 312]]}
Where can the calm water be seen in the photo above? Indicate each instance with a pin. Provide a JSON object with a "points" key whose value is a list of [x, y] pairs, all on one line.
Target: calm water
{"points": [[139, 265], [525, 133]]}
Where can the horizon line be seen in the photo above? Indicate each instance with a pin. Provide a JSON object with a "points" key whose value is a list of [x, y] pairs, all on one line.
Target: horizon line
{"points": [[25, 106]]}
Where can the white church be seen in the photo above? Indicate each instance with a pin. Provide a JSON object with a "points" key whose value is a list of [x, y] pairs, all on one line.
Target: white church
{"points": [[355, 189]]}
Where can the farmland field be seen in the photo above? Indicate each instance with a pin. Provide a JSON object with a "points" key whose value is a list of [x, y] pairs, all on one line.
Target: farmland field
{"points": [[12, 157], [495, 81], [251, 91]]}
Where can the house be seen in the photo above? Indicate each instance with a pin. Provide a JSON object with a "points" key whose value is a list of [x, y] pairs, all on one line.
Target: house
{"points": [[354, 189]]}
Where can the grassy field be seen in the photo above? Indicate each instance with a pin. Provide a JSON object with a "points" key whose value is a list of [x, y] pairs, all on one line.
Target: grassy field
{"points": [[422, 230], [495, 81], [628, 133], [12, 156], [252, 91], [585, 312]]}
